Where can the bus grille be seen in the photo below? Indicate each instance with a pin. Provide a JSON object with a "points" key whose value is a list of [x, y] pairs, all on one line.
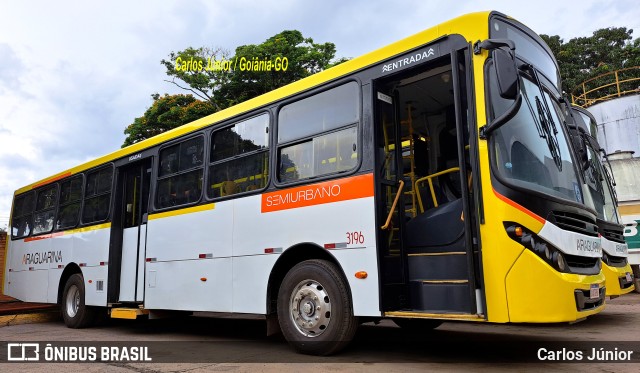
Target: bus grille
{"points": [[613, 235], [617, 261], [624, 284], [582, 265], [575, 223], [585, 303]]}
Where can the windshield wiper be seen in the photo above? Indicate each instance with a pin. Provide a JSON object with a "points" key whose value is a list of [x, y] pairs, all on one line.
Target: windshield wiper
{"points": [[611, 182], [594, 166], [547, 124], [544, 122]]}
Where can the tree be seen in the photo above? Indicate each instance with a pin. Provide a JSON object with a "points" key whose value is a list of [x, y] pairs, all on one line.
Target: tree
{"points": [[226, 83], [189, 70], [581, 58], [233, 83], [166, 112]]}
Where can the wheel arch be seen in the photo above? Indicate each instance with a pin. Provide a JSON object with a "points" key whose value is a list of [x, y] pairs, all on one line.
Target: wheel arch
{"points": [[69, 270], [289, 258]]}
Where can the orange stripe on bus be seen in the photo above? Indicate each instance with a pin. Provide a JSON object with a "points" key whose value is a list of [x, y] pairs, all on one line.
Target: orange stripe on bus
{"points": [[349, 188], [519, 207], [51, 180], [43, 237]]}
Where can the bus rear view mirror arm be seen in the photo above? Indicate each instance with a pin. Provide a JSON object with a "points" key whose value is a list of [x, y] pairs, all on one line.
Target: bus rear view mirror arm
{"points": [[504, 64], [486, 130]]}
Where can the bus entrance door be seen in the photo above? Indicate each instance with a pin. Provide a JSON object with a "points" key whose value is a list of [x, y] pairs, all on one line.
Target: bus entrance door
{"points": [[133, 183], [423, 186]]}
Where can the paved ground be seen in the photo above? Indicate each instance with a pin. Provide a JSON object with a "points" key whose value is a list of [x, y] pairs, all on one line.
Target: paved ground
{"points": [[198, 345]]}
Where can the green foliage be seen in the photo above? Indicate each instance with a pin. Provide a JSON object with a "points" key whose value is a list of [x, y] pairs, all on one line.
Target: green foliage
{"points": [[204, 83], [166, 112], [222, 88], [225, 88], [582, 58], [304, 58]]}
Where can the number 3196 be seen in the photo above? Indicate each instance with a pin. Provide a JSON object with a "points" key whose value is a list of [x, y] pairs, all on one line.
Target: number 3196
{"points": [[355, 238]]}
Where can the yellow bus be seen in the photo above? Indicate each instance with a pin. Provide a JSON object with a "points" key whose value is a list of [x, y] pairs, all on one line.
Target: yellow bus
{"points": [[598, 181], [428, 180]]}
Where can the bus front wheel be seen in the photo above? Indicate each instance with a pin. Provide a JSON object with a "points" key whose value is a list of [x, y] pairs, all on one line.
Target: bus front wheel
{"points": [[74, 311], [314, 308]]}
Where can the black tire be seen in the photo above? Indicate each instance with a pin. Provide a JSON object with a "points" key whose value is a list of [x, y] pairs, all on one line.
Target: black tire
{"points": [[314, 308], [74, 312], [417, 325]]}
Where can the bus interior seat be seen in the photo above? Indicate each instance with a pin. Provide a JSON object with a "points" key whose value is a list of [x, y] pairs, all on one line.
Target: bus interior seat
{"points": [[427, 200], [228, 188], [438, 229]]}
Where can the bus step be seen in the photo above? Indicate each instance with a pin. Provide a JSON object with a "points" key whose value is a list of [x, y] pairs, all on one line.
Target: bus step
{"points": [[441, 296], [128, 313], [417, 314], [438, 266]]}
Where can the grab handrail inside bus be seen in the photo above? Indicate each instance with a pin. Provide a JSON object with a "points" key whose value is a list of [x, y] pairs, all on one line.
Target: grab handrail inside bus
{"points": [[393, 206]]}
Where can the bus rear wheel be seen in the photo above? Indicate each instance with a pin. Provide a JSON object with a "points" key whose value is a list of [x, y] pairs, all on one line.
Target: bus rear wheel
{"points": [[75, 312], [314, 308]]}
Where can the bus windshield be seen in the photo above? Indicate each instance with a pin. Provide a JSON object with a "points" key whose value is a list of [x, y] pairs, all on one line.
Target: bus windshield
{"points": [[599, 181], [531, 150], [528, 49]]}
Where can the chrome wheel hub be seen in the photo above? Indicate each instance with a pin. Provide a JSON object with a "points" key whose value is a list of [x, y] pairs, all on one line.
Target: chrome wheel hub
{"points": [[310, 308], [72, 302]]}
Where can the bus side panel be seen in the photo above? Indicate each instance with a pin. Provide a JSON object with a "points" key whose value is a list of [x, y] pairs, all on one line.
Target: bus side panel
{"points": [[29, 286], [184, 235], [95, 282], [64, 246], [184, 248], [250, 279], [29, 264], [189, 285], [7, 264], [349, 224], [87, 248]]}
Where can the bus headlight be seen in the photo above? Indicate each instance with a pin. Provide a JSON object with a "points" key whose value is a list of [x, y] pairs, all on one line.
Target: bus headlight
{"points": [[553, 256], [558, 259], [540, 248]]}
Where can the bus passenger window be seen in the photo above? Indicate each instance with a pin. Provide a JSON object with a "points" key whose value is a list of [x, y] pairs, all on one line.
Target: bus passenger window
{"points": [[21, 220], [97, 195], [180, 174], [318, 135], [70, 197], [239, 158], [45, 209]]}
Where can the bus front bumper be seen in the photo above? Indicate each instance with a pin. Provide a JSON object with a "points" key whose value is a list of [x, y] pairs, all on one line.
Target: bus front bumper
{"points": [[537, 293], [617, 281]]}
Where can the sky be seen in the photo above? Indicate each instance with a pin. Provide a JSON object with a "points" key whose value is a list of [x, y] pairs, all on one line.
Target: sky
{"points": [[74, 74]]}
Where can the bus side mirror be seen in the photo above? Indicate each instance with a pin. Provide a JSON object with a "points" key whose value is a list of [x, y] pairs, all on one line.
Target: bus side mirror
{"points": [[506, 73]]}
